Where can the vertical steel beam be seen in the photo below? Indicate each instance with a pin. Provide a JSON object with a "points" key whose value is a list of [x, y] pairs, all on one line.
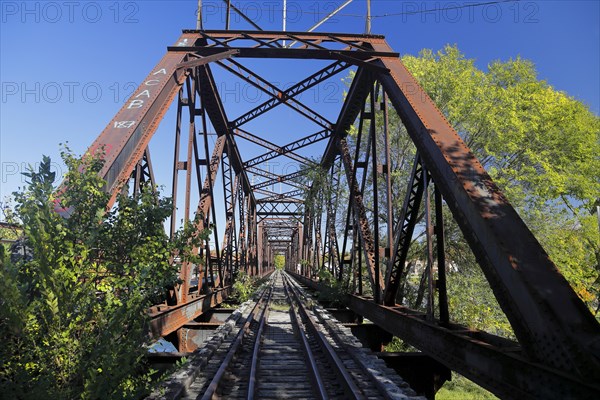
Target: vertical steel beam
{"points": [[387, 171], [429, 248], [374, 176], [204, 206], [176, 165], [191, 103], [441, 259], [227, 14], [143, 175], [403, 232], [364, 232]]}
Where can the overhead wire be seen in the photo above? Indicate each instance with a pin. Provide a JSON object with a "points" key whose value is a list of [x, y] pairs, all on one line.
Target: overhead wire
{"points": [[397, 14]]}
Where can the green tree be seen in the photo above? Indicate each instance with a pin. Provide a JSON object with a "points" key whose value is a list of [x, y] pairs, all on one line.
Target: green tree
{"points": [[73, 318], [540, 146], [279, 261]]}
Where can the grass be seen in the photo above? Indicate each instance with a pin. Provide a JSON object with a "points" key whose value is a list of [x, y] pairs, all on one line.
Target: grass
{"points": [[460, 388]]}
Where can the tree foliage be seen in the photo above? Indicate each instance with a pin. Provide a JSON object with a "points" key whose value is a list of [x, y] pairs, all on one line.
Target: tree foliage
{"points": [[73, 318], [279, 261], [538, 144]]}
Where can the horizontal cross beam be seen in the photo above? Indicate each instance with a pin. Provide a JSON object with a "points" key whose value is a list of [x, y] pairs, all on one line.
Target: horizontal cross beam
{"points": [[287, 179], [284, 150], [270, 146], [307, 83], [265, 86]]}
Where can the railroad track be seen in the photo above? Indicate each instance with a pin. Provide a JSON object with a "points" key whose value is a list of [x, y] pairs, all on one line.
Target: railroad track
{"points": [[281, 349]]}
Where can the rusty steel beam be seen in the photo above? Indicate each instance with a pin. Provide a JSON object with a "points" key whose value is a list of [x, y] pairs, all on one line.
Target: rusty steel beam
{"points": [[265, 192], [199, 61], [265, 86], [283, 199], [331, 250], [280, 207], [216, 112], [314, 79], [282, 196], [143, 174], [353, 103], [279, 35], [270, 146], [287, 179], [550, 321], [404, 232], [286, 53], [277, 151], [365, 236], [273, 178], [230, 188], [205, 204], [167, 319], [125, 138]]}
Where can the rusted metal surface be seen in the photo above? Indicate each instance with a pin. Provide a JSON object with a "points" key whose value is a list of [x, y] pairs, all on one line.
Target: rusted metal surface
{"points": [[404, 231], [167, 319], [441, 259], [365, 234], [143, 175], [125, 138]]}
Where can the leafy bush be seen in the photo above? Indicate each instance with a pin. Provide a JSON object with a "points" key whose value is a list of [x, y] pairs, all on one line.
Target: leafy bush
{"points": [[243, 287], [73, 317], [333, 292]]}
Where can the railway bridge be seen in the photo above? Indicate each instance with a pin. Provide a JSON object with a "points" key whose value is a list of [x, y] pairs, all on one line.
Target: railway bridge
{"points": [[335, 213]]}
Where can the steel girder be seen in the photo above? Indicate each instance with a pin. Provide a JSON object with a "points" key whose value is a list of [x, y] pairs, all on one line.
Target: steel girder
{"points": [[126, 137], [262, 84], [281, 207], [274, 178], [331, 251], [282, 196], [404, 232], [275, 150], [143, 175], [289, 94], [289, 148], [167, 319], [229, 258]]}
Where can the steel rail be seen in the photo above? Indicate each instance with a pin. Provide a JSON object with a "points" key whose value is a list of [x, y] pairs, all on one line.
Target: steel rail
{"points": [[360, 363], [313, 369], [254, 366], [216, 380], [346, 380]]}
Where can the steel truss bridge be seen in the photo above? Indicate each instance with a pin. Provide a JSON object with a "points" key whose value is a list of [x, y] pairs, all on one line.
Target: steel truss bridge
{"points": [[557, 352]]}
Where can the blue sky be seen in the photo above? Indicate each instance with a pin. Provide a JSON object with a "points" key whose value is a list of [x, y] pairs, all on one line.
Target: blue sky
{"points": [[66, 67]]}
